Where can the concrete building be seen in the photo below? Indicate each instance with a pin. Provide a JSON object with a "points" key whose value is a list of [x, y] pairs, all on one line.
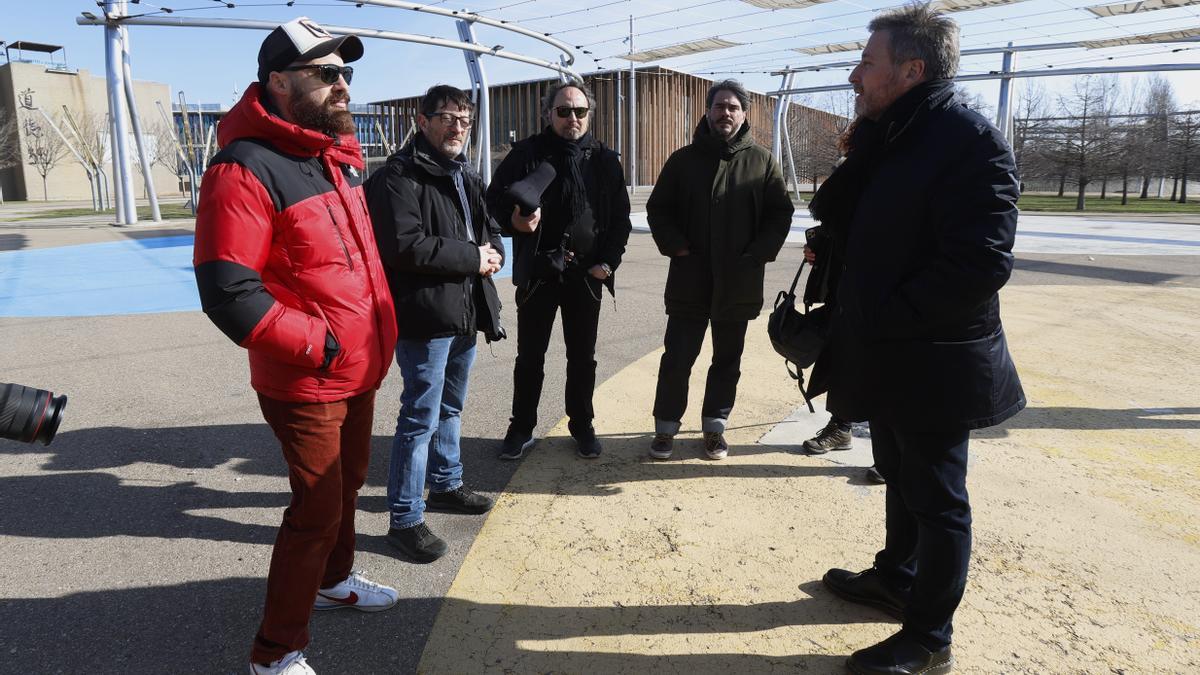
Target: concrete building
{"points": [[34, 81]]}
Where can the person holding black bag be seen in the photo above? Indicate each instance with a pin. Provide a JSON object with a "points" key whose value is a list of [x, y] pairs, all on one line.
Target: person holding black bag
{"points": [[565, 254]]}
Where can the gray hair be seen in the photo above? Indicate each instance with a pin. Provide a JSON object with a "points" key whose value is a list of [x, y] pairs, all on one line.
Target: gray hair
{"points": [[732, 86], [918, 31], [555, 87]]}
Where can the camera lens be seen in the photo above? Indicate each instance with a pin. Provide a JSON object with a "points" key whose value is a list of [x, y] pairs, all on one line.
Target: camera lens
{"points": [[28, 414]]}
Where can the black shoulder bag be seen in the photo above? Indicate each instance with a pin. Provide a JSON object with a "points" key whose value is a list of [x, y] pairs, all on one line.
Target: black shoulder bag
{"points": [[799, 337]]}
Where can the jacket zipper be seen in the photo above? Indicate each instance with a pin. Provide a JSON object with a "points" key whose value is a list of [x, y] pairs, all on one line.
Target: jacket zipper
{"points": [[341, 239]]}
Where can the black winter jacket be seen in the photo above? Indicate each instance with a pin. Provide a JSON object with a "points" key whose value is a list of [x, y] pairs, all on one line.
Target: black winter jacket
{"points": [[605, 181], [726, 202], [432, 266], [917, 340]]}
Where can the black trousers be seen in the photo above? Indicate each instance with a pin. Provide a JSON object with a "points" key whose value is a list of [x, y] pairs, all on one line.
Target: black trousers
{"points": [[928, 542], [578, 297], [682, 341]]}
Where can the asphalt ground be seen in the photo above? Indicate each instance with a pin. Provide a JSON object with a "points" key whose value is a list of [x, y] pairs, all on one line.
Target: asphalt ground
{"points": [[139, 540]]}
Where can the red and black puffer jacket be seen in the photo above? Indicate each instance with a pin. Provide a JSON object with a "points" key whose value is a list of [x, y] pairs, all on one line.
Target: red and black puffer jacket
{"points": [[285, 256]]}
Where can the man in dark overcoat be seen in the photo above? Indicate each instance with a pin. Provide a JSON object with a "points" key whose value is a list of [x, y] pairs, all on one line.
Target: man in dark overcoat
{"points": [[924, 210], [720, 212]]}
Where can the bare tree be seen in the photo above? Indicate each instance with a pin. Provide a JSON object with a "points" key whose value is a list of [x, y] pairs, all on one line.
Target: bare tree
{"points": [[10, 150], [1084, 141], [1131, 139], [43, 147], [160, 151], [975, 101], [1030, 125], [818, 129], [1185, 145], [1158, 104]]}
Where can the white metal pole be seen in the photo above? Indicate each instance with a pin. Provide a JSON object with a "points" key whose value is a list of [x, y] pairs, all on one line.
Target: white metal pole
{"points": [[483, 108], [777, 122], [127, 207], [619, 101], [135, 120], [1004, 109], [118, 188], [633, 117]]}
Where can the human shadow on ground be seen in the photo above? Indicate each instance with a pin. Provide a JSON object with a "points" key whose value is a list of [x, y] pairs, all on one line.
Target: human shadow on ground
{"points": [[95, 504], [1126, 276], [207, 627], [1095, 419]]}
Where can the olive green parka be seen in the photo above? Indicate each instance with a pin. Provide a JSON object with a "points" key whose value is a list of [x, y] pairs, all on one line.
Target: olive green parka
{"points": [[725, 202]]}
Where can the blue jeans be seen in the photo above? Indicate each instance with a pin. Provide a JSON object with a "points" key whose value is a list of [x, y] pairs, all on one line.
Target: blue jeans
{"points": [[426, 446]]}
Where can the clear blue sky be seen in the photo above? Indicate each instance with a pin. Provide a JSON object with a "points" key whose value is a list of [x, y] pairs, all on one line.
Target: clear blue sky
{"points": [[207, 64]]}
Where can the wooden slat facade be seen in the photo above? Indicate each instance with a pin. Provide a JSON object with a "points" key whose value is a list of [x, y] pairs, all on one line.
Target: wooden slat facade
{"points": [[670, 105]]}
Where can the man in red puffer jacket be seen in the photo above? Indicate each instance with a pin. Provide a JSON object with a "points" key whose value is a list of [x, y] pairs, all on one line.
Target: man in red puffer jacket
{"points": [[287, 267]]}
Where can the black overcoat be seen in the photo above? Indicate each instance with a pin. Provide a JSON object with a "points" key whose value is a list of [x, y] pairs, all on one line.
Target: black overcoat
{"points": [[917, 340], [726, 203]]}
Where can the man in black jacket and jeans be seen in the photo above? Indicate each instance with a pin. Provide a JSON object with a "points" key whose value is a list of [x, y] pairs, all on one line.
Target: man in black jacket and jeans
{"points": [[440, 249], [926, 205], [564, 256]]}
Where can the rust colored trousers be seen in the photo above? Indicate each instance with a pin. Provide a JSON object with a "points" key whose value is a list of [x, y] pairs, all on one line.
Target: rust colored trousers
{"points": [[327, 447]]}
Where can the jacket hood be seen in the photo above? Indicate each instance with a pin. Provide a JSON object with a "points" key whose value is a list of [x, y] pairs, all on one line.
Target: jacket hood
{"points": [[250, 119], [705, 138]]}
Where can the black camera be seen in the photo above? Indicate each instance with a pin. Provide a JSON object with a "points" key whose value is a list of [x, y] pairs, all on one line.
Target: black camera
{"points": [[28, 414]]}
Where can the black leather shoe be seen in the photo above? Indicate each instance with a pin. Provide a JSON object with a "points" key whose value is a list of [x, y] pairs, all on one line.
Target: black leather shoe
{"points": [[867, 588], [459, 500], [418, 543], [900, 655]]}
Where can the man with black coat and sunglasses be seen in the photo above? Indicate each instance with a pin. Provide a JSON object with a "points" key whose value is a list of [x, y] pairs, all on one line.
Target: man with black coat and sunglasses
{"points": [[440, 248], [564, 255]]}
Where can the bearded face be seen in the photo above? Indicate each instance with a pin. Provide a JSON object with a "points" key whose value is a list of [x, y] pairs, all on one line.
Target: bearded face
{"points": [[328, 114], [309, 101]]}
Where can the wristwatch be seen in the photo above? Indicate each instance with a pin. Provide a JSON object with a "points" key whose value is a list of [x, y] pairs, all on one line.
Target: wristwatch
{"points": [[607, 270]]}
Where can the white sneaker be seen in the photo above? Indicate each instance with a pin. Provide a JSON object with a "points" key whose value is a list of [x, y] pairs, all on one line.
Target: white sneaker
{"points": [[357, 592], [292, 663]]}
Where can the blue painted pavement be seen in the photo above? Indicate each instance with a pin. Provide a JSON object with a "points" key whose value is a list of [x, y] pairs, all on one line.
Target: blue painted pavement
{"points": [[121, 277]]}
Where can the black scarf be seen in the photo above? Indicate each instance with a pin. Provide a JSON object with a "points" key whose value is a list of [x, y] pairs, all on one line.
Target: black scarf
{"points": [[719, 146], [567, 157], [836, 199]]}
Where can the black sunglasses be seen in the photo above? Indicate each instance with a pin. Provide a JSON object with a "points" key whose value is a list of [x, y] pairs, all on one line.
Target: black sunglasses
{"points": [[328, 72], [565, 111]]}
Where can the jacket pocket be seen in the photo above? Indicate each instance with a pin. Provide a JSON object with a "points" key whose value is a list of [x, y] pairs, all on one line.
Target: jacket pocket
{"points": [[337, 232]]}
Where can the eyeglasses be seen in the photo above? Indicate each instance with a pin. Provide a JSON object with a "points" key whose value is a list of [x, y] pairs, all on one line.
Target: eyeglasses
{"points": [[565, 111], [328, 72], [452, 120]]}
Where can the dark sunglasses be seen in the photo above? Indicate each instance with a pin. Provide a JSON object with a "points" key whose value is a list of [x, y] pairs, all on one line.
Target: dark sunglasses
{"points": [[328, 72], [565, 111]]}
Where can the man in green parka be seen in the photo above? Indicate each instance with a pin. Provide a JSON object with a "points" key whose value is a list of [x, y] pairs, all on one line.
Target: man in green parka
{"points": [[720, 212]]}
